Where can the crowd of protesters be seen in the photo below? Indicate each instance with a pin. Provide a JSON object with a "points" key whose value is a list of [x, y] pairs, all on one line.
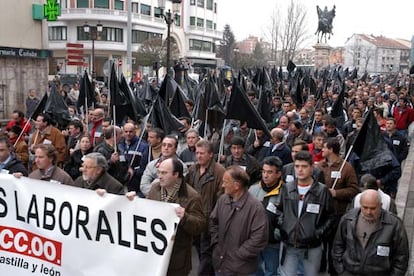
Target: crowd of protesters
{"points": [[254, 204]]}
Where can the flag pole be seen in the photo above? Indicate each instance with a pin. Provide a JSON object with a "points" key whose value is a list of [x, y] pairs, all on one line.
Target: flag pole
{"points": [[114, 118], [205, 124], [220, 153], [21, 133], [342, 166]]}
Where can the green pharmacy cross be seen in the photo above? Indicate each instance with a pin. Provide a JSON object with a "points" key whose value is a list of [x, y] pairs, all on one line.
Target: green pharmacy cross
{"points": [[51, 10]]}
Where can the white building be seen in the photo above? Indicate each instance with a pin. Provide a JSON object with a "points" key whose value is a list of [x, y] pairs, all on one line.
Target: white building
{"points": [[194, 30], [376, 54]]}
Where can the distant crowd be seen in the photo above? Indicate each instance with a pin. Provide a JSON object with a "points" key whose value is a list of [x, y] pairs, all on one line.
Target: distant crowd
{"points": [[251, 203]]}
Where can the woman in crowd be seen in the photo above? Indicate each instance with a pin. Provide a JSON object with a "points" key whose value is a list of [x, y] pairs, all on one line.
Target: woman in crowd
{"points": [[75, 162]]}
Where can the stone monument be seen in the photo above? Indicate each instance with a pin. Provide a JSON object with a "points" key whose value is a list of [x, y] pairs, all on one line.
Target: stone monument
{"points": [[323, 33]]}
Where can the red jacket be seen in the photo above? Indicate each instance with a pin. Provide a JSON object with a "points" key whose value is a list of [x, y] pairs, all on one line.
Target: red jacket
{"points": [[316, 155], [403, 117], [24, 125]]}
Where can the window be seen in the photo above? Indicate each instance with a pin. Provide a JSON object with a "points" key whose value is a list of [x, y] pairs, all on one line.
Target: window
{"points": [[145, 9], [192, 20], [57, 33], [195, 45], [215, 26], [209, 24], [141, 36], [157, 12], [199, 45], [113, 34], [177, 20], [108, 34], [200, 3], [210, 5], [82, 3], [200, 22], [119, 5], [103, 4], [207, 46], [215, 7], [135, 8], [192, 2]]}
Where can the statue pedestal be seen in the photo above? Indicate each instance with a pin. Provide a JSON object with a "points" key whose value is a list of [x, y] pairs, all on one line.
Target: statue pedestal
{"points": [[322, 52]]}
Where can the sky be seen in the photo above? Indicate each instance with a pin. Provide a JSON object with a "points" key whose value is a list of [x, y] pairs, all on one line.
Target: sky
{"points": [[390, 18]]}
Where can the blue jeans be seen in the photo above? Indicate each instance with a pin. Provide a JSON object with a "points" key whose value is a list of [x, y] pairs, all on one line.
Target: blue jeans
{"points": [[269, 260], [310, 258]]}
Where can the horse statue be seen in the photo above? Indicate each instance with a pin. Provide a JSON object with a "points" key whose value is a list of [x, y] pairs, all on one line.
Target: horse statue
{"points": [[325, 23]]}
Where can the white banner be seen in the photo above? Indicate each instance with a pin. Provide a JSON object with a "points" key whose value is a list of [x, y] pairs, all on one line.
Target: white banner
{"points": [[54, 229]]}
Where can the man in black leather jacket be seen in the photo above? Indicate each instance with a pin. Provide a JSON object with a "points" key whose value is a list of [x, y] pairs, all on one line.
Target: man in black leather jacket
{"points": [[306, 214]]}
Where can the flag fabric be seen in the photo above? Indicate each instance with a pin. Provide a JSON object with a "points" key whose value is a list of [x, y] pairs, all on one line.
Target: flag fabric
{"points": [[265, 104], [135, 109], [57, 109], [86, 93], [177, 105], [167, 89], [39, 108], [370, 145], [240, 108], [161, 117], [338, 105]]}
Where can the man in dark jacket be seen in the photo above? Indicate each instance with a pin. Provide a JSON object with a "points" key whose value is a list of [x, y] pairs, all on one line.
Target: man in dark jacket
{"points": [[8, 160], [279, 148], [306, 213], [267, 191], [95, 177], [238, 226], [171, 187], [240, 158], [117, 163], [370, 240], [135, 152]]}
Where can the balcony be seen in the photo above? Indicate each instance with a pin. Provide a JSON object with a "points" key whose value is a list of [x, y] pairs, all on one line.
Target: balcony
{"points": [[110, 15]]}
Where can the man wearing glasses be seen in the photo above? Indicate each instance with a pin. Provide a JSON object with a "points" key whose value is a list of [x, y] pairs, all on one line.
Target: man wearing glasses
{"points": [[95, 176]]}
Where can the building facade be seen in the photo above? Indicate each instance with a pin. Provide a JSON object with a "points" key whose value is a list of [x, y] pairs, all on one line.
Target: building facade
{"points": [[23, 54], [194, 30], [376, 54]]}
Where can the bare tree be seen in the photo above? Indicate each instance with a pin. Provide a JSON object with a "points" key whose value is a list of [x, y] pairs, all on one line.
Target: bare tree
{"points": [[154, 49], [274, 33], [289, 33], [294, 30]]}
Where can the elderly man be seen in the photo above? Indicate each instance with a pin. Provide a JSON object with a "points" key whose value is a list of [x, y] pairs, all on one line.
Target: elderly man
{"points": [[171, 187], [370, 240], [278, 147], [188, 155], [238, 226], [95, 126], [95, 177]]}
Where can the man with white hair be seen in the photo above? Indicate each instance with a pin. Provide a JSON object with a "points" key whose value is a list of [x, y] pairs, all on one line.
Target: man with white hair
{"points": [[95, 176], [370, 240]]}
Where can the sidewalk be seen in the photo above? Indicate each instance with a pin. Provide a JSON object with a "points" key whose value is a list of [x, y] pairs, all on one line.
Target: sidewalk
{"points": [[405, 200]]}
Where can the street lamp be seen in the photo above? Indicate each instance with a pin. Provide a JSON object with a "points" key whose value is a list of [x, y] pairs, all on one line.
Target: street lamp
{"points": [[168, 16], [94, 32]]}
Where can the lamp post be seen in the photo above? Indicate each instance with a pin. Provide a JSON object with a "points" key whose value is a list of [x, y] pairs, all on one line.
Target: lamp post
{"points": [[168, 16], [94, 32]]}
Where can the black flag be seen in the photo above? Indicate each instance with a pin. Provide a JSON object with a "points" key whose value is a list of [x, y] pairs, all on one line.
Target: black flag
{"points": [[370, 145], [161, 117], [86, 93], [240, 108], [57, 109], [40, 108], [177, 106]]}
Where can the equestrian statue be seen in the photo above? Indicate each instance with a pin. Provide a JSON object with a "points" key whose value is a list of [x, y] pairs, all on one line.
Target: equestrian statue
{"points": [[325, 18]]}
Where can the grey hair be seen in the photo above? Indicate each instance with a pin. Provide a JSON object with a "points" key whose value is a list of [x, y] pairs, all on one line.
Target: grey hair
{"points": [[369, 191], [99, 159]]}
